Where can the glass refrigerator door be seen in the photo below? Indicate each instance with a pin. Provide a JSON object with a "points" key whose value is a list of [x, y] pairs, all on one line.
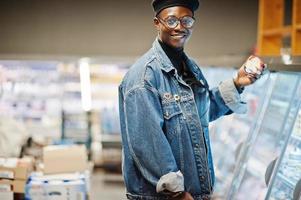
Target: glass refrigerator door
{"points": [[286, 179], [267, 140], [229, 133]]}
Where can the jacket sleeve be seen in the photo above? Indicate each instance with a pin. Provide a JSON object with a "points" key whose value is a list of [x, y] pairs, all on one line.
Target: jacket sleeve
{"points": [[225, 99], [147, 143]]}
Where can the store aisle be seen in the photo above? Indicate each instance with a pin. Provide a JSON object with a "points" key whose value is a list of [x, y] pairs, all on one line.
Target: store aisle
{"points": [[106, 186]]}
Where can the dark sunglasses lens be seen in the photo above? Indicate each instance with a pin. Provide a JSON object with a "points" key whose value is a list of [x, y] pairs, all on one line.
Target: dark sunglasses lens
{"points": [[187, 22]]}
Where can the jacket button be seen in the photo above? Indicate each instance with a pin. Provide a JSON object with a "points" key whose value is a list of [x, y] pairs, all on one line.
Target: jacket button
{"points": [[177, 97], [202, 177]]}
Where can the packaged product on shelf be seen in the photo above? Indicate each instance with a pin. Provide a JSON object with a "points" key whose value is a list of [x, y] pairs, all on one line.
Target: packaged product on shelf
{"points": [[57, 190], [64, 159], [59, 187]]}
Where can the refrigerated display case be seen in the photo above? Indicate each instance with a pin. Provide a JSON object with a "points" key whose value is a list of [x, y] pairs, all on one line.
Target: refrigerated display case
{"points": [[286, 177], [229, 133], [268, 139]]}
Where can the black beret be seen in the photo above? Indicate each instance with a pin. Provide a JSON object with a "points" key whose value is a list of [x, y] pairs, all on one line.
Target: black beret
{"points": [[159, 5]]}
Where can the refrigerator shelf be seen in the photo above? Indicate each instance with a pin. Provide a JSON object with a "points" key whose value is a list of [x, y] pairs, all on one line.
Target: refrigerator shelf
{"points": [[296, 139], [287, 181]]}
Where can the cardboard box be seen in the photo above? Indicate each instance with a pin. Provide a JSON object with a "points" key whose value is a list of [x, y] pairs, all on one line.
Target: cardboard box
{"points": [[14, 168], [17, 186], [18, 172], [7, 195], [64, 159]]}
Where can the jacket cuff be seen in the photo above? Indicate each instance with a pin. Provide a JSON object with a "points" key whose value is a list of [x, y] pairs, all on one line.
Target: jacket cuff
{"points": [[172, 181], [231, 97]]}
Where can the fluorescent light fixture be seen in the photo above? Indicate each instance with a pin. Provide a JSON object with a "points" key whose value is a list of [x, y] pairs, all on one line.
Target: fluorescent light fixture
{"points": [[85, 83]]}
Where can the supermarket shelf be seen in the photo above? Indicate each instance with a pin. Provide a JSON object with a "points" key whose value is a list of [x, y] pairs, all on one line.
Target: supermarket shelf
{"points": [[111, 141], [286, 181], [111, 138], [106, 79]]}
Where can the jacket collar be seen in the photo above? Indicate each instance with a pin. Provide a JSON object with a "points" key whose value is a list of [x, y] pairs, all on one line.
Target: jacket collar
{"points": [[166, 64]]}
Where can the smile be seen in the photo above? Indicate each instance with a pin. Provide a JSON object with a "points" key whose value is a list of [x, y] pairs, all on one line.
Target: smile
{"points": [[180, 36]]}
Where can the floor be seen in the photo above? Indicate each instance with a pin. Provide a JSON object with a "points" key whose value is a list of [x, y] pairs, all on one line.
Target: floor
{"points": [[106, 186]]}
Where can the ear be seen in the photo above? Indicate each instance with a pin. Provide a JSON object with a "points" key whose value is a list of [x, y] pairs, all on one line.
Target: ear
{"points": [[156, 23]]}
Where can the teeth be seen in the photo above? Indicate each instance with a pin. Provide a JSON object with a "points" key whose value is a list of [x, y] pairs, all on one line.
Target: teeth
{"points": [[178, 36]]}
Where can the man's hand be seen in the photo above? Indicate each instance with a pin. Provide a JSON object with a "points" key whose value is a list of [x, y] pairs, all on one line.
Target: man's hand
{"points": [[249, 72], [184, 196]]}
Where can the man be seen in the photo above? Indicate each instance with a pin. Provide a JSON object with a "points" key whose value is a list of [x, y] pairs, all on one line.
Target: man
{"points": [[165, 108]]}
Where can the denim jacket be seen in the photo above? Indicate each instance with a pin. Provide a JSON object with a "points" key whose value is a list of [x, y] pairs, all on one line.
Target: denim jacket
{"points": [[164, 126]]}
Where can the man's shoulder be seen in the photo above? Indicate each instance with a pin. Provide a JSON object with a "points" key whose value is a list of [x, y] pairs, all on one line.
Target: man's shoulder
{"points": [[148, 59], [143, 70]]}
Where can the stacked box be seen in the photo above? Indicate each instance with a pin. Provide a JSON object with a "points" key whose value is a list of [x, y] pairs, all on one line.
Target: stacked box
{"points": [[64, 159], [63, 174], [13, 176]]}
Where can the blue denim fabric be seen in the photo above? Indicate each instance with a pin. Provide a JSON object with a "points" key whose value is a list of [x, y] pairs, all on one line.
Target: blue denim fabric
{"points": [[164, 126]]}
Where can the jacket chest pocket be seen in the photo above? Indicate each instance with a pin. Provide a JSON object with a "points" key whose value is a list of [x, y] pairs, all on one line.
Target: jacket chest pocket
{"points": [[171, 109], [172, 113]]}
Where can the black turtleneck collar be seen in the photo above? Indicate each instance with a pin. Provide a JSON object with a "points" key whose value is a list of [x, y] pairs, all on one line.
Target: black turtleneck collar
{"points": [[175, 55], [178, 58]]}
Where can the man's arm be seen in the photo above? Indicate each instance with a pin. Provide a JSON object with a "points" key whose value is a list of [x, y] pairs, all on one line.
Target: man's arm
{"points": [[224, 100], [148, 145], [228, 92]]}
